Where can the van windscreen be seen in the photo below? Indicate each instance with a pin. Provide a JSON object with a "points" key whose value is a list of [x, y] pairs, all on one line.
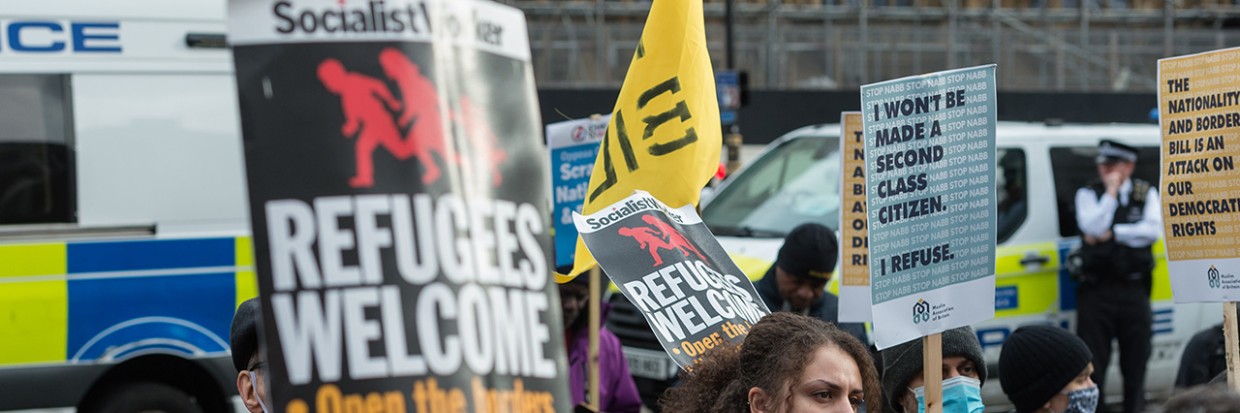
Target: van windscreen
{"points": [[794, 183]]}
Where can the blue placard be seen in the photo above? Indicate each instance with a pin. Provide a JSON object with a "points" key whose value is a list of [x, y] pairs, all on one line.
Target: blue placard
{"points": [[574, 146]]}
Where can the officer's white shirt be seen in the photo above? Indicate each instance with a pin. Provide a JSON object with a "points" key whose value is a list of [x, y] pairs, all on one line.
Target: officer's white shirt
{"points": [[1094, 215]]}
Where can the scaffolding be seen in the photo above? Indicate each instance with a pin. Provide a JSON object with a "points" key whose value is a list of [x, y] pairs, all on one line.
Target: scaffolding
{"points": [[1039, 45]]}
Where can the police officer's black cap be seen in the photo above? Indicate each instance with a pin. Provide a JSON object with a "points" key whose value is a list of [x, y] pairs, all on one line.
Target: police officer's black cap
{"points": [[243, 336], [809, 251], [1112, 151]]}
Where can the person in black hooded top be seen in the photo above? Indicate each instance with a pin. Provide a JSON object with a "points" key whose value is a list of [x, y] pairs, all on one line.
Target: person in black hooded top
{"points": [[798, 279]]}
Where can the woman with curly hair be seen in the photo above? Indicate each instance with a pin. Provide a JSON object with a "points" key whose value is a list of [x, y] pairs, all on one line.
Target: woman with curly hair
{"points": [[789, 363]]}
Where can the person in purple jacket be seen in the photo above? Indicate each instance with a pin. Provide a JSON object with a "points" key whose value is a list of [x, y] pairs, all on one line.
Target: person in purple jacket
{"points": [[617, 391]]}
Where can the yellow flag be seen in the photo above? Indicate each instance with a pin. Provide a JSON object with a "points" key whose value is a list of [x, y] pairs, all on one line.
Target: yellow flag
{"points": [[664, 135]]}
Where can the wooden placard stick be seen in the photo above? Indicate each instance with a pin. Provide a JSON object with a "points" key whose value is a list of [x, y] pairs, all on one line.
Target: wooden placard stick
{"points": [[1229, 334], [932, 372], [595, 319]]}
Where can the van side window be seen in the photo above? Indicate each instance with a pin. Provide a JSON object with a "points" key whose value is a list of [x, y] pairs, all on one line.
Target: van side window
{"points": [[796, 182], [1074, 167], [36, 156], [1011, 191]]}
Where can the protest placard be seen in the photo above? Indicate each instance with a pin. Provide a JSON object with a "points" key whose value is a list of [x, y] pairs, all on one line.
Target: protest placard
{"points": [[1199, 113], [930, 180], [669, 265], [574, 146], [854, 235], [397, 190]]}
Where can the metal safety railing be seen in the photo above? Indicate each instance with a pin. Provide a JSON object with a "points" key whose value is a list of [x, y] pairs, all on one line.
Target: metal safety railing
{"points": [[1052, 45]]}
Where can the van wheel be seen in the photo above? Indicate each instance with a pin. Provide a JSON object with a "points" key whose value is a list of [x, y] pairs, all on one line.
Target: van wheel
{"points": [[146, 397]]}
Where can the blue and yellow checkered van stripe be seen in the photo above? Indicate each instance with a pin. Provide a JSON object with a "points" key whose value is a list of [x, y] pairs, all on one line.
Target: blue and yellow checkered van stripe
{"points": [[108, 300], [1019, 292]]}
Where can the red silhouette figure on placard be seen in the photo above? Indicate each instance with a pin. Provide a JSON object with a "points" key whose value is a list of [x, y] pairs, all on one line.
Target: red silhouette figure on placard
{"points": [[411, 127], [482, 139], [421, 113], [661, 237], [362, 100], [649, 240], [673, 237]]}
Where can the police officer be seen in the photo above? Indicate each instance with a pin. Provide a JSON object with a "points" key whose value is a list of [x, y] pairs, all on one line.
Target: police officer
{"points": [[1119, 220]]}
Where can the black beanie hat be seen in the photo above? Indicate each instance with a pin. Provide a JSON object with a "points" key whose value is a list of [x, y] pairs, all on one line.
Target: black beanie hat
{"points": [[809, 251], [1037, 362], [243, 336], [902, 362]]}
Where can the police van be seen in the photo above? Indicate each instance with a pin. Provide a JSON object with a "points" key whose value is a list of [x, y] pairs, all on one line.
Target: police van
{"points": [[1039, 169], [124, 247]]}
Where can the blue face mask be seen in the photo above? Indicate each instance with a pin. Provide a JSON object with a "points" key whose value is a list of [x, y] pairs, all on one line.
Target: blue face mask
{"points": [[961, 394]]}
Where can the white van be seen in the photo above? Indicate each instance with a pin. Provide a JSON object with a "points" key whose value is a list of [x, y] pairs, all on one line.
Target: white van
{"points": [[796, 180], [124, 246]]}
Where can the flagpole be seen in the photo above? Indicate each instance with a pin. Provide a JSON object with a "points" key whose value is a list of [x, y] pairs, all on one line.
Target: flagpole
{"points": [[595, 319]]}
